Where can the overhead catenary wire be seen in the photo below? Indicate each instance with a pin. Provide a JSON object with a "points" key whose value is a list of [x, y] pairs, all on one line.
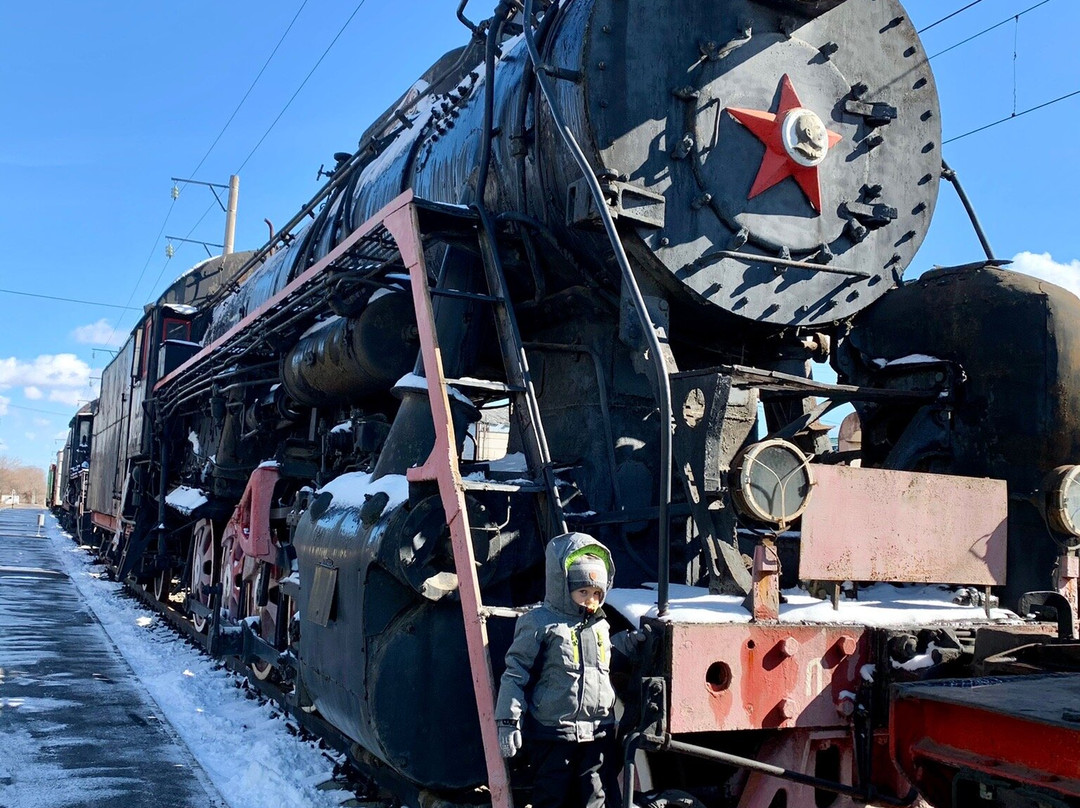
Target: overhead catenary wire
{"points": [[301, 87], [11, 406], [251, 87], [1011, 117], [164, 223], [993, 27], [142, 272], [950, 16], [187, 236], [68, 300], [274, 123]]}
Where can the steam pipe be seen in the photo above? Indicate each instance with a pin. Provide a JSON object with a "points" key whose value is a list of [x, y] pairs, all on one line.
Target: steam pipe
{"points": [[950, 175]]}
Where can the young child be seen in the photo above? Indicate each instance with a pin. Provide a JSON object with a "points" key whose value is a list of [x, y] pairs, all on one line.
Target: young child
{"points": [[556, 689]]}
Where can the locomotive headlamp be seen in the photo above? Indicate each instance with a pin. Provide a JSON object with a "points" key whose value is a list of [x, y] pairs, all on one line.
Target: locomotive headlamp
{"points": [[771, 482], [1062, 504]]}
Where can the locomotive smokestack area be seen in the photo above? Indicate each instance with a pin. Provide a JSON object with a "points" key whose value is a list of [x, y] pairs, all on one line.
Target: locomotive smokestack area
{"points": [[576, 280]]}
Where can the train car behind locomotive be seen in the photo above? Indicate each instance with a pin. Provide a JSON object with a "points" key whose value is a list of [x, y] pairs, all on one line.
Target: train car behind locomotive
{"points": [[629, 229]]}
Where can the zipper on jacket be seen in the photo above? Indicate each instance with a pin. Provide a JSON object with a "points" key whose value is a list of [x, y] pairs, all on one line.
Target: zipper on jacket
{"points": [[576, 634]]}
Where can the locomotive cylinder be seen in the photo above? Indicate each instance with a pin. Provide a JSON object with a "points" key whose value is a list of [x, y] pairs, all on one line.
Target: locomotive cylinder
{"points": [[350, 359]]}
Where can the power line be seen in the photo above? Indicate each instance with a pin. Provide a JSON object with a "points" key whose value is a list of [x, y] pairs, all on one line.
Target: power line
{"points": [[991, 28], [304, 82], [157, 238], [150, 255], [949, 16], [279, 115], [68, 300], [1010, 117], [157, 280], [249, 89], [43, 412]]}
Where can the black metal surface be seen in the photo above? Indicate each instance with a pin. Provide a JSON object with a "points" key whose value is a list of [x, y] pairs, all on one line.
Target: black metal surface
{"points": [[353, 359]]}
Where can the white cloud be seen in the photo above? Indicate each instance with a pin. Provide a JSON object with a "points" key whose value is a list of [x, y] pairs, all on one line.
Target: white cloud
{"points": [[30, 435], [1042, 265], [4, 405], [42, 422], [71, 397], [33, 393], [60, 370], [100, 333], [61, 435]]}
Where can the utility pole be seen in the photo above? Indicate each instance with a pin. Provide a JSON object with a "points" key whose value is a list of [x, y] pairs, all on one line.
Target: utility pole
{"points": [[229, 207], [230, 213]]}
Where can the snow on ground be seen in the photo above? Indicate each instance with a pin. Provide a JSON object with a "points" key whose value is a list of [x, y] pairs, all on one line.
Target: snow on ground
{"points": [[248, 753]]}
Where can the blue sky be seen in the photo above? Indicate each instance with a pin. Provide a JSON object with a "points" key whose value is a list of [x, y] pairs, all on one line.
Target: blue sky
{"points": [[104, 102]]}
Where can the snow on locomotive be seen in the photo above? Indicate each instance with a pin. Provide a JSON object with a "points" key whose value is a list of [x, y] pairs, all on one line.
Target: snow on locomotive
{"points": [[575, 279]]}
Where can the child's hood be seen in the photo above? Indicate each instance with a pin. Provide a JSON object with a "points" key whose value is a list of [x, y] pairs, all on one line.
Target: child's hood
{"points": [[562, 551]]}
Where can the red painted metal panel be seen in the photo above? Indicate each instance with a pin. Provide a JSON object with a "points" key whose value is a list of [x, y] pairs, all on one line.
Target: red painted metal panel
{"points": [[250, 520], [104, 521], [750, 676], [881, 525], [1015, 729]]}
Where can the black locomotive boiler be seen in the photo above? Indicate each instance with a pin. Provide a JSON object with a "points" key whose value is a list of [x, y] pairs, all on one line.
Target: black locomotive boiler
{"points": [[576, 278]]}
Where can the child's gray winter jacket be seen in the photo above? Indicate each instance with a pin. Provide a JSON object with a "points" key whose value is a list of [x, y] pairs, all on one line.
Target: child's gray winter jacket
{"points": [[557, 668]]}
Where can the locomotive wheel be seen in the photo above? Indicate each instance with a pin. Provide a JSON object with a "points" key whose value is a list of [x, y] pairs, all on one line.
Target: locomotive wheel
{"points": [[262, 670], [229, 574], [203, 568], [162, 585], [267, 614]]}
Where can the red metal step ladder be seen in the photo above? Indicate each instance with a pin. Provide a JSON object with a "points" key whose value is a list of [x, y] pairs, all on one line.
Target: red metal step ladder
{"points": [[443, 464]]}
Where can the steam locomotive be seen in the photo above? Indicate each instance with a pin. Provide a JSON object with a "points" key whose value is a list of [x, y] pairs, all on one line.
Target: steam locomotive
{"points": [[577, 277]]}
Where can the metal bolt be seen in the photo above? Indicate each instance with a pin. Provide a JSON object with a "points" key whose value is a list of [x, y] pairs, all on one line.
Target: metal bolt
{"points": [[788, 646], [846, 706], [788, 709], [602, 65], [847, 645], [664, 241], [606, 29], [603, 103]]}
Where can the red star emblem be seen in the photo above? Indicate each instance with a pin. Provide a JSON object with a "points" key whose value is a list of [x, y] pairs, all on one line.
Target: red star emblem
{"points": [[796, 141]]}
